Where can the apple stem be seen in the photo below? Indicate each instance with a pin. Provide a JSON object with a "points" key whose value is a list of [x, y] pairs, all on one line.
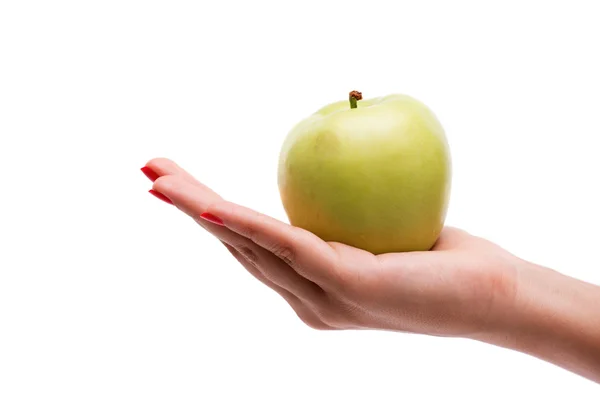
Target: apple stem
{"points": [[354, 97]]}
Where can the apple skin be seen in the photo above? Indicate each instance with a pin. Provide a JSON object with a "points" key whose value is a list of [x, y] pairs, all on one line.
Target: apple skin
{"points": [[376, 177]]}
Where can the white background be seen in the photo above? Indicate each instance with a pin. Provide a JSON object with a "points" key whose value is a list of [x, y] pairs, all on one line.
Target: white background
{"points": [[108, 293]]}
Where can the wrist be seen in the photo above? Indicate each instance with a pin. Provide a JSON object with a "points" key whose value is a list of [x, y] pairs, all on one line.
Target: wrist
{"points": [[552, 317]]}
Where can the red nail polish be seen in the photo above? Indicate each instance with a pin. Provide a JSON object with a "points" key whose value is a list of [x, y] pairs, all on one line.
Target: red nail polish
{"points": [[212, 218], [149, 173], [161, 196]]}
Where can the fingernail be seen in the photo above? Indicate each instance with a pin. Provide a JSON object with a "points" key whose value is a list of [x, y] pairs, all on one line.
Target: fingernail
{"points": [[161, 196], [212, 218], [149, 173]]}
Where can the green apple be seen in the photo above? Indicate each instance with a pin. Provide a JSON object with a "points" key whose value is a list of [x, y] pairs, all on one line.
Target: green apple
{"points": [[373, 174]]}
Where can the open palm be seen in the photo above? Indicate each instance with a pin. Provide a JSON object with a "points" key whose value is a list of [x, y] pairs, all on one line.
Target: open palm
{"points": [[453, 290]]}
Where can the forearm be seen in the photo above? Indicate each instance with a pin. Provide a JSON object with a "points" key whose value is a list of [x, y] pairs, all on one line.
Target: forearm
{"points": [[555, 318]]}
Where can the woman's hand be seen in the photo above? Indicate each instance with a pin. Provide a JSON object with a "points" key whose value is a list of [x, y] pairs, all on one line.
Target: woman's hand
{"points": [[464, 287], [458, 289]]}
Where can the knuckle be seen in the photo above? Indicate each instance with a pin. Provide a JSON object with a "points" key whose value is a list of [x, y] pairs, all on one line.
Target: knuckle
{"points": [[307, 315], [338, 315], [248, 253], [249, 232], [313, 322], [331, 318], [250, 229], [284, 252], [318, 326]]}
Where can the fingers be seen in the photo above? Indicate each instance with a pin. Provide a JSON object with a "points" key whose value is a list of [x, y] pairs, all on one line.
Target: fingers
{"points": [[308, 255], [159, 167], [194, 200], [302, 311], [270, 267], [178, 187], [164, 166], [191, 198], [255, 272]]}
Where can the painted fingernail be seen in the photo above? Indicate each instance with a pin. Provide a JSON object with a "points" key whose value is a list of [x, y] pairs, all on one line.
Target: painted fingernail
{"points": [[161, 196], [212, 218], [149, 173]]}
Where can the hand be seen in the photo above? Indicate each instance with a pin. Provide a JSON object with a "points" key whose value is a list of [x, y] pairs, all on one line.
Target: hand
{"points": [[465, 286], [457, 289]]}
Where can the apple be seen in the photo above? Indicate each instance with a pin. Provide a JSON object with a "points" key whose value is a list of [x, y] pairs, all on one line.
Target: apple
{"points": [[373, 174]]}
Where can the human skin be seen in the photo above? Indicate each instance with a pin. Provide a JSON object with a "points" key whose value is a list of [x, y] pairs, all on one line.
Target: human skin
{"points": [[465, 286]]}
